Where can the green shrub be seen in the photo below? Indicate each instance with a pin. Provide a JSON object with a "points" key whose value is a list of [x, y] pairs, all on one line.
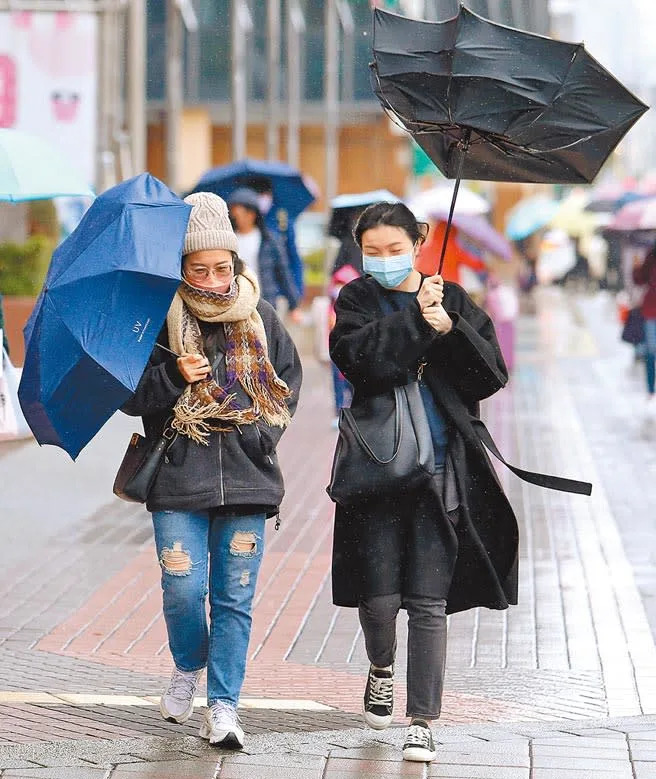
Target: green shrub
{"points": [[315, 268], [23, 266]]}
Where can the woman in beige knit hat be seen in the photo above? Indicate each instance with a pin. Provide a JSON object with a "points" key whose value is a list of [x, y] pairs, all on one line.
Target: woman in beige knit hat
{"points": [[228, 396]]}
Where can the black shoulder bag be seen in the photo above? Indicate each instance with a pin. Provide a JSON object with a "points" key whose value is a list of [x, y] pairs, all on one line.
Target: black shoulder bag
{"points": [[140, 465], [384, 447]]}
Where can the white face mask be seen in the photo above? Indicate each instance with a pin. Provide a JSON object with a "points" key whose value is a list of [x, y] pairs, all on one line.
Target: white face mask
{"points": [[265, 201]]}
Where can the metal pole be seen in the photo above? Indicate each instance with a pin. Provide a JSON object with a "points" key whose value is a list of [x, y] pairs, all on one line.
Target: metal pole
{"points": [[295, 27], [331, 99], [174, 95], [273, 96], [107, 107], [136, 87], [348, 54], [239, 94], [193, 61]]}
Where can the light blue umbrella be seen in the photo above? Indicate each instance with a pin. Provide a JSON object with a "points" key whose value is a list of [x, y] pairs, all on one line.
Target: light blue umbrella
{"points": [[32, 169], [529, 216]]}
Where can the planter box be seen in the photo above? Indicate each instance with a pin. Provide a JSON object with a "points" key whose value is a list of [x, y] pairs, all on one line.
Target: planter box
{"points": [[17, 312]]}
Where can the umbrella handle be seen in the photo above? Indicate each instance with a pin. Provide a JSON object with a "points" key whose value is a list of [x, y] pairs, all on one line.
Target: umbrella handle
{"points": [[166, 349], [463, 147]]}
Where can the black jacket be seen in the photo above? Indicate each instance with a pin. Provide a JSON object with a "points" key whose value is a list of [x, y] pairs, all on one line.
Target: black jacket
{"points": [[238, 468], [376, 352]]}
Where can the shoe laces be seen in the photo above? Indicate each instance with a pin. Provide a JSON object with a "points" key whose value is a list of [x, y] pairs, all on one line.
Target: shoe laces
{"points": [[182, 685], [222, 711], [381, 690], [419, 735]]}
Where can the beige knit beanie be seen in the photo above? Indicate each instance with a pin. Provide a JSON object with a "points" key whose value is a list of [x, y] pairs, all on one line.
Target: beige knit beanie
{"points": [[209, 224]]}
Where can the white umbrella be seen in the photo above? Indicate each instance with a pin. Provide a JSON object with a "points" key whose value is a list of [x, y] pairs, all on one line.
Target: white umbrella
{"points": [[437, 201]]}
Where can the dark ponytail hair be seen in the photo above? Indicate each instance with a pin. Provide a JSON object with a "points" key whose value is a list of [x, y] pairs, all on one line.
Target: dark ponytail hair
{"points": [[393, 215]]}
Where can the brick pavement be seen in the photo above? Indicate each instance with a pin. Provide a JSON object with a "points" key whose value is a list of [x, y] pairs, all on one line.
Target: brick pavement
{"points": [[87, 616]]}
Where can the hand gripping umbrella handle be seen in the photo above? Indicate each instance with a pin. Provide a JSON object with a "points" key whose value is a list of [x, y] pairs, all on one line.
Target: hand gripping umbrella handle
{"points": [[463, 147]]}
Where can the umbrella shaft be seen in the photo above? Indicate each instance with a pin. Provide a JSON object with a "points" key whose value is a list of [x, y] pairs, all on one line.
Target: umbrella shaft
{"points": [[463, 150], [166, 349]]}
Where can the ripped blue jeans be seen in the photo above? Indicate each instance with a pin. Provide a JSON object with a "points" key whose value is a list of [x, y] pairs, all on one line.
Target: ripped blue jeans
{"points": [[189, 545]]}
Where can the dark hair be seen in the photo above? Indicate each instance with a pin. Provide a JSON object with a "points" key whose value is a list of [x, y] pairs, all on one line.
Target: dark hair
{"points": [[394, 215]]}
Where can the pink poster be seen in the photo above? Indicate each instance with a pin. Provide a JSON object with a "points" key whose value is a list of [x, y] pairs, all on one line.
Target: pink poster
{"points": [[48, 80]]}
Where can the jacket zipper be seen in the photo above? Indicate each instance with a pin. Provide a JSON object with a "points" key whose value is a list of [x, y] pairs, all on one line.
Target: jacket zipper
{"points": [[259, 435], [221, 468]]}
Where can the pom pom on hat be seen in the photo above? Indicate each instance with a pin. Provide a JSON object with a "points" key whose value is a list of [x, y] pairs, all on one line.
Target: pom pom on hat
{"points": [[209, 224]]}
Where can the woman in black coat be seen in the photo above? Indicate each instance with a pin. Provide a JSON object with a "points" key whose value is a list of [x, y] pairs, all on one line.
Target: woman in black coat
{"points": [[452, 544]]}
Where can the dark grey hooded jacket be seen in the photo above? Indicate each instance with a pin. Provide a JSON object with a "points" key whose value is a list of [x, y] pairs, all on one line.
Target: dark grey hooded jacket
{"points": [[238, 470]]}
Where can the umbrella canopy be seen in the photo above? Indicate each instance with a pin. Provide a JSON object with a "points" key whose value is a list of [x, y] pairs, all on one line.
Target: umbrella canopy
{"points": [[480, 231], [431, 203], [637, 215], [32, 169], [529, 216], [346, 209], [523, 106], [291, 190], [105, 298], [573, 218]]}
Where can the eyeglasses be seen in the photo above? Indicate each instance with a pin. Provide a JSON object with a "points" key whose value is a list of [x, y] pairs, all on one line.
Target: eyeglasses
{"points": [[204, 273]]}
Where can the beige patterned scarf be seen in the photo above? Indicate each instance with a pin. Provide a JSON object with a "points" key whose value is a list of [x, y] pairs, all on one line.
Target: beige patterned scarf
{"points": [[204, 406]]}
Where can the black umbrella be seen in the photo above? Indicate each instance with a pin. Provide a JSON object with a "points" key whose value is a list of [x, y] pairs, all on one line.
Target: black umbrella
{"points": [[490, 102]]}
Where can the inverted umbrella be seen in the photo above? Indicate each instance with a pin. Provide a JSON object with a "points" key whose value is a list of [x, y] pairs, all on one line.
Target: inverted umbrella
{"points": [[105, 298], [490, 102], [291, 190], [32, 169]]}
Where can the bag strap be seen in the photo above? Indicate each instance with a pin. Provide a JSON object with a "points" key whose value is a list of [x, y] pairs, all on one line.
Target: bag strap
{"points": [[398, 428], [540, 479]]}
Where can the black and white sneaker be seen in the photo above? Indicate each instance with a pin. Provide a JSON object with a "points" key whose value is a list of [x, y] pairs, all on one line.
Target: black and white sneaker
{"points": [[419, 746], [379, 698]]}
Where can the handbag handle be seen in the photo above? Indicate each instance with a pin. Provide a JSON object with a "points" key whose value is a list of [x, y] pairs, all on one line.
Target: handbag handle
{"points": [[398, 430]]}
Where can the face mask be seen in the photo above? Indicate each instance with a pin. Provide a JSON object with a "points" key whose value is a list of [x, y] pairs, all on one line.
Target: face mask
{"points": [[389, 272], [265, 201]]}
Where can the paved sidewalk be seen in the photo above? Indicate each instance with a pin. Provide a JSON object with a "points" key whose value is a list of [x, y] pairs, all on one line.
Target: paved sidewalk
{"points": [[83, 647]]}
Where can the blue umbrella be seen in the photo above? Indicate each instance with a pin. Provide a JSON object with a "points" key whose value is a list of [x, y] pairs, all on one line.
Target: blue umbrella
{"points": [[291, 190], [529, 216], [104, 301]]}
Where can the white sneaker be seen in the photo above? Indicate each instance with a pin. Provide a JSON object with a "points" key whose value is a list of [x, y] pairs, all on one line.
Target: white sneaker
{"points": [[419, 746], [650, 407], [177, 702], [221, 726]]}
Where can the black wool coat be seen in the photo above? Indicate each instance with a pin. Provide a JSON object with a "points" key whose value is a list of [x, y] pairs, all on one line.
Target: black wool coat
{"points": [[376, 352]]}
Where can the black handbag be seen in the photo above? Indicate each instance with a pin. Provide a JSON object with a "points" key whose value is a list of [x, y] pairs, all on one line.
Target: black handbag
{"points": [[384, 447], [634, 327], [141, 464]]}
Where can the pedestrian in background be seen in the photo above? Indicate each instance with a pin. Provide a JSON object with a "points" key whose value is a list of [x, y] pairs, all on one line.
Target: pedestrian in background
{"points": [[228, 398], [451, 544], [645, 273], [3, 330], [342, 390], [261, 251]]}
